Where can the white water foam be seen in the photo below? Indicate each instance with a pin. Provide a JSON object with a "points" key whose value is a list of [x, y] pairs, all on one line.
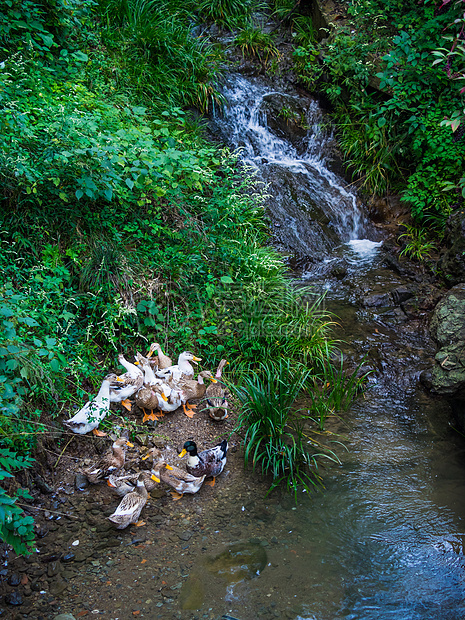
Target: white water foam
{"points": [[245, 125]]}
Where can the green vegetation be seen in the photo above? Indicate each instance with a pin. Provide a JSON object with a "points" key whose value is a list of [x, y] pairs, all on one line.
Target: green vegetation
{"points": [[396, 99], [120, 224], [281, 438]]}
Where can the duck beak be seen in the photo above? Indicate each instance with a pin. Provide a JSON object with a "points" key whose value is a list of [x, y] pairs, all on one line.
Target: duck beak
{"points": [[154, 478], [168, 467], [147, 456], [136, 363], [164, 397], [119, 379], [129, 444], [213, 380], [183, 453], [111, 485], [196, 359]]}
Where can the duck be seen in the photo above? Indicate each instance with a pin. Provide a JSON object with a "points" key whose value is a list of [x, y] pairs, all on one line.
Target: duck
{"points": [[193, 389], [130, 507], [111, 462], [163, 360], [89, 417], [148, 396], [216, 395], [122, 485], [128, 383], [181, 481], [209, 462], [183, 369]]}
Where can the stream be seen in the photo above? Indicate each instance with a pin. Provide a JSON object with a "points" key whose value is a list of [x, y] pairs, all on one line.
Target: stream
{"points": [[383, 540]]}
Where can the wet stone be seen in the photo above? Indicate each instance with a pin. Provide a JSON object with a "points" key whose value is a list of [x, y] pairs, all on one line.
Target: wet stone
{"points": [[53, 569], [81, 482], [58, 585], [238, 562], [14, 598], [64, 617], [186, 535], [14, 579], [68, 557]]}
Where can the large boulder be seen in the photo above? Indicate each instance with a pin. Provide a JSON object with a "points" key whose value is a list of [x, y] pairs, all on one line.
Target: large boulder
{"points": [[448, 330], [452, 262]]}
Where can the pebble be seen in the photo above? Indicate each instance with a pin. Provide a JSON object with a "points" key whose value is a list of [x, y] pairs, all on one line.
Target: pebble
{"points": [[14, 598], [64, 617], [14, 580], [68, 557]]}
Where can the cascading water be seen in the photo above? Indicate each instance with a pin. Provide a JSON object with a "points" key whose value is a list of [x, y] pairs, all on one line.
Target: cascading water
{"points": [[280, 134]]}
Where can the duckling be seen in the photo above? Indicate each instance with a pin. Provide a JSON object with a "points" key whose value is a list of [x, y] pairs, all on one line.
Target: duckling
{"points": [[181, 481], [89, 417], [128, 383], [111, 462], [216, 395], [130, 507], [183, 369], [209, 462], [193, 389], [163, 360]]}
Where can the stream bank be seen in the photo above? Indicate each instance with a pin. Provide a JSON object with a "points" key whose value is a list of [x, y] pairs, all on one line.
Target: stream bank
{"points": [[385, 536]]}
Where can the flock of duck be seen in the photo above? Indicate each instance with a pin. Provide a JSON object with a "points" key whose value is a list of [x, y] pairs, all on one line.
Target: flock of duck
{"points": [[156, 385]]}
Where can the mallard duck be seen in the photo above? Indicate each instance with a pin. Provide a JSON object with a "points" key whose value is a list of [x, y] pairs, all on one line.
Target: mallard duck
{"points": [[183, 369], [128, 383], [130, 506], [193, 389], [163, 360], [89, 417], [110, 462], [209, 462], [181, 481], [216, 395], [122, 485]]}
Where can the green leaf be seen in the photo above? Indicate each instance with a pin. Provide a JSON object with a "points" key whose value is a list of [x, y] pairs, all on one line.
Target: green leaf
{"points": [[381, 122], [226, 280], [129, 183]]}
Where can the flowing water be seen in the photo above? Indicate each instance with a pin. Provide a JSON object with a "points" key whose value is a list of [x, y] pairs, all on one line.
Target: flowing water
{"points": [[385, 539]]}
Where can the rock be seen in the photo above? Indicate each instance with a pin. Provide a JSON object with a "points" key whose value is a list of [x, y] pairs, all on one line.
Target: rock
{"points": [[53, 569], [64, 617], [58, 585], [81, 482], [448, 330], [68, 557], [14, 579], [452, 263], [238, 562], [186, 535], [377, 300], [43, 486], [14, 598]]}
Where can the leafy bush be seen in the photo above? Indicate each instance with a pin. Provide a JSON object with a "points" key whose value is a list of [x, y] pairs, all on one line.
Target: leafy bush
{"points": [[390, 98], [16, 528]]}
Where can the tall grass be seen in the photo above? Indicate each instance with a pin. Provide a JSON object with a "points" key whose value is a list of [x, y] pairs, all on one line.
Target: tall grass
{"points": [[272, 431]]}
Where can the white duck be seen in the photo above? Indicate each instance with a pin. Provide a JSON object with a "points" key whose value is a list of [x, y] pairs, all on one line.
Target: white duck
{"points": [[128, 383], [89, 417], [183, 369]]}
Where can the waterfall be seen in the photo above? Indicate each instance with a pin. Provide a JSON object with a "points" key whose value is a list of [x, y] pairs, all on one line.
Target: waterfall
{"points": [[313, 209]]}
